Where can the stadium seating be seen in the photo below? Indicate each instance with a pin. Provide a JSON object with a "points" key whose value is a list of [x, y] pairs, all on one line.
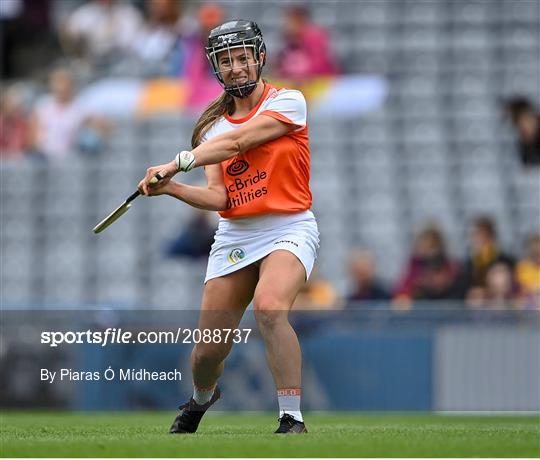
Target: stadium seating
{"points": [[438, 150]]}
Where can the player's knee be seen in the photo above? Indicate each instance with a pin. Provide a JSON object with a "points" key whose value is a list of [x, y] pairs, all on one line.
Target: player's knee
{"points": [[265, 299], [205, 356], [267, 319], [270, 309], [269, 315]]}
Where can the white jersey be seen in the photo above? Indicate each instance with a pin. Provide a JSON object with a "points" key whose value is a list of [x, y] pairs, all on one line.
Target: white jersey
{"points": [[287, 104], [58, 126]]}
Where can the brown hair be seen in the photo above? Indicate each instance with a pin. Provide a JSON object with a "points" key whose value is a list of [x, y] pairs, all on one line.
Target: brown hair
{"points": [[222, 104], [433, 232], [486, 225], [516, 106]]}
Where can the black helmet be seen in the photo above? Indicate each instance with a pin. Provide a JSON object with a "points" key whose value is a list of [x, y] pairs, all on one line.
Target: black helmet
{"points": [[236, 34]]}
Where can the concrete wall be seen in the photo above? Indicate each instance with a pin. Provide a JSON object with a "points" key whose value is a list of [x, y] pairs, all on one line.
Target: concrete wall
{"points": [[493, 368]]}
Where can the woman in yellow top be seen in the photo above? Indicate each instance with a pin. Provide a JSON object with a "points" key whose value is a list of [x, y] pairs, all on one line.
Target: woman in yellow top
{"points": [[528, 275], [253, 144]]}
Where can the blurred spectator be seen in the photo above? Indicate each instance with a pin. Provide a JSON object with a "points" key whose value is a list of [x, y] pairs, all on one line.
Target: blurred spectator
{"points": [[528, 274], [27, 41], [60, 126], [306, 52], [14, 123], [484, 253], [366, 286], [526, 121], [162, 27], [190, 62], [498, 292], [196, 237], [317, 294], [101, 29], [429, 274]]}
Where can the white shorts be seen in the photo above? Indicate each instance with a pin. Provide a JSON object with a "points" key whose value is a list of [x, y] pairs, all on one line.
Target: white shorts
{"points": [[242, 242]]}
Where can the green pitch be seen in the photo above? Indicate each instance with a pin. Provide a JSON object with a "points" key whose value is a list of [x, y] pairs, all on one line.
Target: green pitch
{"points": [[144, 434]]}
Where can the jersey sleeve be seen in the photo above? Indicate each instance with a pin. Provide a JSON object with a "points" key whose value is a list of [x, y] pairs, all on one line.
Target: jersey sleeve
{"points": [[288, 106], [213, 131]]}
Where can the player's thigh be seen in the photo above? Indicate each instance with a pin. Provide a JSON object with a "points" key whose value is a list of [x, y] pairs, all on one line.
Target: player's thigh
{"points": [[281, 277], [225, 300]]}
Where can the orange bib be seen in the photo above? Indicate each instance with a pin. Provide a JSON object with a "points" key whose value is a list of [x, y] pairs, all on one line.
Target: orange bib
{"points": [[273, 177]]}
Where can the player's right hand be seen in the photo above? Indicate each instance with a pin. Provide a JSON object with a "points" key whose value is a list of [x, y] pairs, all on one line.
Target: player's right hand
{"points": [[166, 171]]}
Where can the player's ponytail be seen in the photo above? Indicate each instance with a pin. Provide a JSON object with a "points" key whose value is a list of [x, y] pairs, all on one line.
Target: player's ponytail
{"points": [[220, 105]]}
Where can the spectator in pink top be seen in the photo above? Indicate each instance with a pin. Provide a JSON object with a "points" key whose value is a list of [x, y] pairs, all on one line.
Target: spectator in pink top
{"points": [[430, 274], [191, 63], [60, 126], [57, 118], [14, 124], [306, 52]]}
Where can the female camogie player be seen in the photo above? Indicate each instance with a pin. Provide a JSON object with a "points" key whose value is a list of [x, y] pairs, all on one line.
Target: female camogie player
{"points": [[253, 144]]}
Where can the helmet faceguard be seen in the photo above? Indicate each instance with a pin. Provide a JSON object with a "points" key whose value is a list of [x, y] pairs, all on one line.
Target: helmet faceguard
{"points": [[233, 35]]}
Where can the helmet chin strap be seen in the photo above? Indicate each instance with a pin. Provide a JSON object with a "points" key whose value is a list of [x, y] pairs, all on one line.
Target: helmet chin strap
{"points": [[241, 91]]}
